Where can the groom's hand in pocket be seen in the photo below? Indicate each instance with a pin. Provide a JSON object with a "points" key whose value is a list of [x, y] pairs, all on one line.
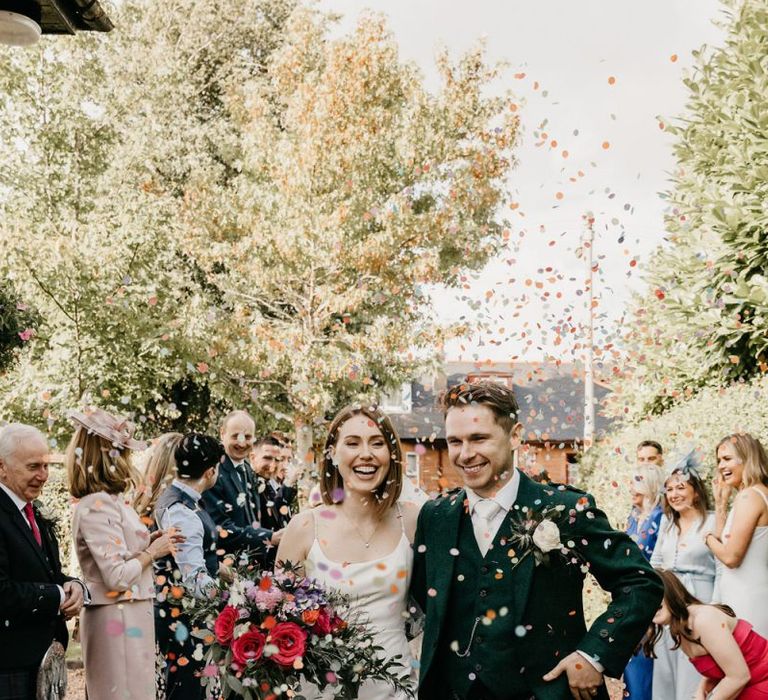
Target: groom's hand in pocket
{"points": [[583, 678]]}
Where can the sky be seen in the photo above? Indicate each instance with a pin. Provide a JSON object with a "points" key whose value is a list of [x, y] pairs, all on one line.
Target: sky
{"points": [[596, 77]]}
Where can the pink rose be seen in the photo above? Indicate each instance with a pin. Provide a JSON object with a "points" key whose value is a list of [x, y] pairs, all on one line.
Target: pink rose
{"points": [[224, 627], [248, 646], [290, 641]]}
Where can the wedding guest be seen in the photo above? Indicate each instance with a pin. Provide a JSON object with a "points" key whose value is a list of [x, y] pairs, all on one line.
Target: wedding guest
{"points": [[158, 474], [740, 538], [359, 540], [116, 553], [649, 452], [643, 528], [35, 596], [730, 655], [275, 498], [194, 563], [680, 548], [233, 502]]}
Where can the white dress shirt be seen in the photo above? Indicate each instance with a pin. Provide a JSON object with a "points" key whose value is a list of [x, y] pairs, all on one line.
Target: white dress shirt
{"points": [[189, 555], [505, 498]]}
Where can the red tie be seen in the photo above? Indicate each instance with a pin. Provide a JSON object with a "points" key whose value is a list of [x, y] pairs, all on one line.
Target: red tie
{"points": [[33, 523]]}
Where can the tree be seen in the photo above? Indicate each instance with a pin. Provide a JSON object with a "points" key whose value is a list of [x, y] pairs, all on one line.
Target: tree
{"points": [[240, 217], [703, 321]]}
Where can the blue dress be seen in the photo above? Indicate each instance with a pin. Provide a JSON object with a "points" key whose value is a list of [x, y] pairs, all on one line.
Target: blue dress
{"points": [[638, 675]]}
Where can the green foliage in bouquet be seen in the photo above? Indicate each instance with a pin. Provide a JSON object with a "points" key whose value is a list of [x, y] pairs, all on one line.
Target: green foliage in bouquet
{"points": [[270, 633]]}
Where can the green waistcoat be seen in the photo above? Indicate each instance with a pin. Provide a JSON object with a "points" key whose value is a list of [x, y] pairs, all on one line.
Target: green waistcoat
{"points": [[480, 599]]}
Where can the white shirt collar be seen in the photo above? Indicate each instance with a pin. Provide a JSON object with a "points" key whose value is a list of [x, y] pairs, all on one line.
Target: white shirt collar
{"points": [[505, 496], [187, 489], [20, 503]]}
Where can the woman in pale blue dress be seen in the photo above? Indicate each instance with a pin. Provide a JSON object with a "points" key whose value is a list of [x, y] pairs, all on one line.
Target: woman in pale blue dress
{"points": [[681, 548], [643, 527]]}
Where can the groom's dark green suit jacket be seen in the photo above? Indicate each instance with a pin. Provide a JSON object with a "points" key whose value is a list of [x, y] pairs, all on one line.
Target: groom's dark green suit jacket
{"points": [[529, 616]]}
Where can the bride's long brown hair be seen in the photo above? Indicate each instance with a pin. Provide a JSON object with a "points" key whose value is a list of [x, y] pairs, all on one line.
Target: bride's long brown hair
{"points": [[678, 598]]}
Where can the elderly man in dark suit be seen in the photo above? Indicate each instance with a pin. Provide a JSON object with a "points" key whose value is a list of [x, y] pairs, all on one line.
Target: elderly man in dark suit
{"points": [[35, 597], [234, 502]]}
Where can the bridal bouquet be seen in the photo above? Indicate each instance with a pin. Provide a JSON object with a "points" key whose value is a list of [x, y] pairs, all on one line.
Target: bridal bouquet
{"points": [[267, 635]]}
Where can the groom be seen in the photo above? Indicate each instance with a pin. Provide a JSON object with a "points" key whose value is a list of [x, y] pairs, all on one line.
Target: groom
{"points": [[504, 617]]}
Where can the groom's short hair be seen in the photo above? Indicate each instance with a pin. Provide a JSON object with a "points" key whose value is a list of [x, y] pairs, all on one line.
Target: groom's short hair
{"points": [[499, 398]]}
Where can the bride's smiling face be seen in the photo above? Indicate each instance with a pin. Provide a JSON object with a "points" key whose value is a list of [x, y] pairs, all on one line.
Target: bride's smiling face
{"points": [[361, 454]]}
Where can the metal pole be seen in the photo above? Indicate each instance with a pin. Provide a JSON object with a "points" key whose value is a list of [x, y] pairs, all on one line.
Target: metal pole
{"points": [[589, 378]]}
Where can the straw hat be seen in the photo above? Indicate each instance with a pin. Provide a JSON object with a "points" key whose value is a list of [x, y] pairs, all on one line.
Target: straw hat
{"points": [[118, 431]]}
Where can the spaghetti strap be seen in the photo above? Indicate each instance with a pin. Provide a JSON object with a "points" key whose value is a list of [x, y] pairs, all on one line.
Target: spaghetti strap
{"points": [[400, 515], [314, 522], [765, 498]]}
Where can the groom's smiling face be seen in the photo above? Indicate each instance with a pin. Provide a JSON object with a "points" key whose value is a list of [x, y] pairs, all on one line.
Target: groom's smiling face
{"points": [[480, 448]]}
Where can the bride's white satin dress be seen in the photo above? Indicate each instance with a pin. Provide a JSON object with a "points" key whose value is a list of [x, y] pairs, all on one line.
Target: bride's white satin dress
{"points": [[380, 591]]}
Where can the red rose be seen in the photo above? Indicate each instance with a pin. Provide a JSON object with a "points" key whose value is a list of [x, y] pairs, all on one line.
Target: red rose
{"points": [[248, 646], [224, 626], [290, 641], [323, 623]]}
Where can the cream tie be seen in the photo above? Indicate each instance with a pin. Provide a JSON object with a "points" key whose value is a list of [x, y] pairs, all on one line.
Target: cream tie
{"points": [[484, 513]]}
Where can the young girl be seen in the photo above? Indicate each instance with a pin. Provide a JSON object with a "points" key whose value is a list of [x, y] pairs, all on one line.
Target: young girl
{"points": [[731, 656]]}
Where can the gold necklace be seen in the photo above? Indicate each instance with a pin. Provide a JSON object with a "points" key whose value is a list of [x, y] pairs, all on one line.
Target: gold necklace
{"points": [[357, 530]]}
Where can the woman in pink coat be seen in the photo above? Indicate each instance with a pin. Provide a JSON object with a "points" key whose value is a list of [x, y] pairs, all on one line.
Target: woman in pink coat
{"points": [[115, 552]]}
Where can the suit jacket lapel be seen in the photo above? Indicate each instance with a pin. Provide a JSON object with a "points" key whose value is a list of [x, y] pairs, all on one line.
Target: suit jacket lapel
{"points": [[444, 538], [522, 575], [20, 522]]}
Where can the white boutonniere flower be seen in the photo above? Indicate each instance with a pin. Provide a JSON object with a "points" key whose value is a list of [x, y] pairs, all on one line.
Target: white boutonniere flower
{"points": [[537, 533], [546, 536]]}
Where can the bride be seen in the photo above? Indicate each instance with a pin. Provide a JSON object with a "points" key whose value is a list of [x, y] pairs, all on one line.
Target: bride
{"points": [[359, 540]]}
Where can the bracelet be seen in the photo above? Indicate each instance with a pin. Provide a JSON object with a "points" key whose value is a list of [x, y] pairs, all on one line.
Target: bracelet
{"points": [[149, 554]]}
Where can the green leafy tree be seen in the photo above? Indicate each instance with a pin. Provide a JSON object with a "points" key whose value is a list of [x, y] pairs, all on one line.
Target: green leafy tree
{"points": [[703, 321], [242, 213]]}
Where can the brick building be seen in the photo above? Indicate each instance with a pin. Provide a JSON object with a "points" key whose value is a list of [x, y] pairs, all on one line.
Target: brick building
{"points": [[551, 399]]}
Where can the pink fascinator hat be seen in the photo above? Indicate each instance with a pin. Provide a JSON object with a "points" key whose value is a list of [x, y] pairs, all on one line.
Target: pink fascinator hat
{"points": [[118, 431]]}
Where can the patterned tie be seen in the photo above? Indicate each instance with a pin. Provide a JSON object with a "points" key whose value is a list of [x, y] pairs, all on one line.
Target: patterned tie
{"points": [[33, 523], [484, 512]]}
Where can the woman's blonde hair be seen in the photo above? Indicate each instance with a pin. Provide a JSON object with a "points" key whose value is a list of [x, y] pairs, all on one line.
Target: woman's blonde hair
{"points": [[331, 481], [159, 473], [649, 481], [94, 464], [751, 453]]}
